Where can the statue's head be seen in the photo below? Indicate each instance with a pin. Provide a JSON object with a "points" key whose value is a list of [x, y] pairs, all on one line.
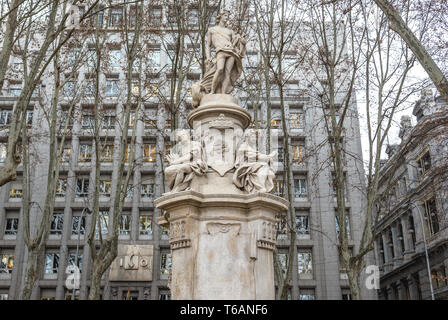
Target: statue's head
{"points": [[250, 136], [222, 18]]}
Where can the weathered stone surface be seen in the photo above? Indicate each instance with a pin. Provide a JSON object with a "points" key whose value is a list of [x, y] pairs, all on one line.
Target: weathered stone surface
{"points": [[133, 263]]}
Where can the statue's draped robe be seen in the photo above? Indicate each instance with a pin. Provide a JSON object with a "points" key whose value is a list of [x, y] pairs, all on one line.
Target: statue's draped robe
{"points": [[247, 173], [197, 166]]}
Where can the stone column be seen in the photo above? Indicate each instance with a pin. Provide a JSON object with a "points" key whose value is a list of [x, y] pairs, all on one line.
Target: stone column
{"points": [[387, 256], [222, 237], [396, 245]]}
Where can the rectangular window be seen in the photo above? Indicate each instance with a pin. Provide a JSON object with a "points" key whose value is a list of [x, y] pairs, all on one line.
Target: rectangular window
{"points": [[61, 187], [72, 260], [150, 123], [5, 117], [11, 226], [6, 262], [76, 225], [64, 116], [15, 90], [276, 124], [278, 188], [15, 193], [305, 263], [145, 226], [302, 225], [70, 89], [51, 263], [108, 122], [85, 152], [114, 58], [125, 225], [90, 88], [3, 151], [298, 153], [104, 222], [300, 188], [111, 88], [431, 216], [155, 16], [423, 163], [82, 187], [116, 17], [107, 153], [438, 277], [147, 190], [307, 294], [193, 17], [165, 265], [3, 296], [65, 156], [149, 152], [154, 58], [283, 258], [29, 117], [57, 224], [105, 186], [281, 153], [87, 121], [296, 120], [347, 225]]}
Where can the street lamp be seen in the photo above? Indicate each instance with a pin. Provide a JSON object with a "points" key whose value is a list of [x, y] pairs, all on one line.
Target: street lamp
{"points": [[428, 267], [77, 244]]}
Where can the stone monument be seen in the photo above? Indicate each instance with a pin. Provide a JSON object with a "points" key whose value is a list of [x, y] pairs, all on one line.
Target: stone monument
{"points": [[221, 218]]}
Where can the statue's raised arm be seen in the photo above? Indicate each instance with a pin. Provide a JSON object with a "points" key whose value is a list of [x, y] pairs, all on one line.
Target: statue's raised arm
{"points": [[225, 67]]}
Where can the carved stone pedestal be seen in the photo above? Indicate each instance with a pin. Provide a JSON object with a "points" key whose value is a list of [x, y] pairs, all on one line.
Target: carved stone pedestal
{"points": [[221, 244], [222, 228]]}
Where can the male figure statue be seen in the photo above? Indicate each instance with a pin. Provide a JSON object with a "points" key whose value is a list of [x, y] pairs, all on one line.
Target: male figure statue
{"points": [[223, 70]]}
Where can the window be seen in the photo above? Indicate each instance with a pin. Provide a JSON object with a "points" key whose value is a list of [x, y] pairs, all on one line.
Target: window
{"points": [[300, 188], [280, 152], [85, 152], [155, 16], [104, 222], [431, 216], [51, 263], [296, 120], [114, 58], [76, 225], [438, 277], [11, 226], [116, 17], [15, 193], [302, 225], [347, 225], [91, 58], [90, 88], [147, 190], [61, 187], [70, 89], [283, 259], [107, 153], [3, 296], [87, 121], [423, 163], [104, 187], [154, 58], [64, 117], [149, 152], [108, 122], [278, 188], [150, 123], [194, 17], [65, 156], [72, 260], [74, 57], [57, 223], [6, 263], [297, 153], [164, 295], [276, 124], [3, 151], [334, 184], [29, 117], [346, 295], [15, 90], [82, 187], [306, 294], [165, 234], [111, 88], [124, 228], [165, 265], [5, 117], [305, 263], [282, 227], [145, 226], [69, 293]]}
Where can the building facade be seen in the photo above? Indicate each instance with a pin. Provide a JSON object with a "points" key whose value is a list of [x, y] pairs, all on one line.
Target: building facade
{"points": [[317, 273], [411, 233]]}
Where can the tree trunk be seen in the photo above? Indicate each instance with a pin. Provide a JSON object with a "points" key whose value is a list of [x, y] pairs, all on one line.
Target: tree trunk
{"points": [[32, 272], [353, 274]]}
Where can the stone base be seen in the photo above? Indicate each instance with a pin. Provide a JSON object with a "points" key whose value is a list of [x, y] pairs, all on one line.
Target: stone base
{"points": [[222, 244]]}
